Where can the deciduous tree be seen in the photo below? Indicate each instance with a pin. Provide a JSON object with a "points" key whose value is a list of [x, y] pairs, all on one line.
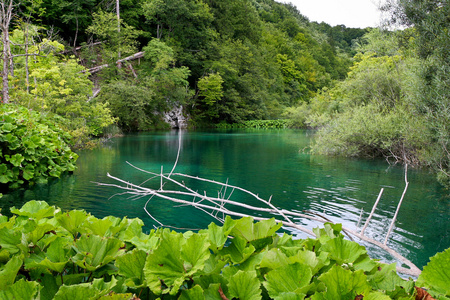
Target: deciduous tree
{"points": [[6, 16]]}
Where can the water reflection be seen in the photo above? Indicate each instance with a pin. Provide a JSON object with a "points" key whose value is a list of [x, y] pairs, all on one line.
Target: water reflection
{"points": [[271, 163]]}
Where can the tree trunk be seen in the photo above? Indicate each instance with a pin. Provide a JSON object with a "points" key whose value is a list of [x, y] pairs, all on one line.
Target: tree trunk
{"points": [[5, 86], [118, 29], [27, 71], [6, 14]]}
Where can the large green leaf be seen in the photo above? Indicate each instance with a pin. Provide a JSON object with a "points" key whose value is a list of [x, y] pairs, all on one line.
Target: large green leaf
{"points": [[211, 283], [329, 231], [15, 159], [131, 266], [55, 258], [343, 251], [219, 235], [133, 234], [164, 268], [289, 278], [247, 229], [194, 253], [91, 290], [195, 293], [72, 220], [386, 278], [436, 274], [12, 141], [35, 209], [274, 258], [365, 263], [145, 242], [10, 239], [21, 290], [49, 286], [113, 285], [244, 286], [310, 259], [238, 251], [342, 284], [28, 172], [94, 252], [214, 264], [114, 296], [8, 127], [98, 226], [213, 292], [79, 291], [6, 175], [9, 271], [175, 259], [38, 232]]}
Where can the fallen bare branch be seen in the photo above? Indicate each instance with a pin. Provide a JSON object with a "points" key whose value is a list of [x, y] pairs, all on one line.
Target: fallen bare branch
{"points": [[221, 203]]}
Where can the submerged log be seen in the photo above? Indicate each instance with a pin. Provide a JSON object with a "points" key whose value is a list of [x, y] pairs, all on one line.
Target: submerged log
{"points": [[217, 206]]}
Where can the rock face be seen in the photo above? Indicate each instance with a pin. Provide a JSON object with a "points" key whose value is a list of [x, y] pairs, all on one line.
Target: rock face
{"points": [[175, 118]]}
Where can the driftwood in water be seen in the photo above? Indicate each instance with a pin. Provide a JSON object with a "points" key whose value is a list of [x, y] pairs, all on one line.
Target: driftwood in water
{"points": [[221, 205]]}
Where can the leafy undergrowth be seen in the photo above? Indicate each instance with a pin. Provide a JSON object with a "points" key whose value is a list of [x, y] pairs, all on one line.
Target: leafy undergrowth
{"points": [[33, 147], [49, 254]]}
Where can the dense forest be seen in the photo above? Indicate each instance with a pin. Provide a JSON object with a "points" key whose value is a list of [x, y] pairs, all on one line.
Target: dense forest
{"points": [[90, 68]]}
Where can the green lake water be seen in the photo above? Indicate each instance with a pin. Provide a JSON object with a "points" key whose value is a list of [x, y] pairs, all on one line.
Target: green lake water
{"points": [[269, 163]]}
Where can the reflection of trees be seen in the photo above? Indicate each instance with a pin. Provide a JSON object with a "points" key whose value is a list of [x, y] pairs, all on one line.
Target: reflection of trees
{"points": [[267, 162]]}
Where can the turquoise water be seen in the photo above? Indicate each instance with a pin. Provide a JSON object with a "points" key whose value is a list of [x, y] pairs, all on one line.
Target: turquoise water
{"points": [[267, 162]]}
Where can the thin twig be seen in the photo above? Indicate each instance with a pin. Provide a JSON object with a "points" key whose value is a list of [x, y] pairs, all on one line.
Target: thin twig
{"points": [[373, 210], [399, 204]]}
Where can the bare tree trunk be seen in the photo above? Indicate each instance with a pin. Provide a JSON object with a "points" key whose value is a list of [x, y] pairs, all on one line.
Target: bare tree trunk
{"points": [[76, 35], [5, 87], [118, 30], [27, 71], [6, 13]]}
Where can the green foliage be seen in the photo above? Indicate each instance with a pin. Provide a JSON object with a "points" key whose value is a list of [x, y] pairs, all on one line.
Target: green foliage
{"points": [[33, 147], [140, 103], [371, 131], [210, 87], [61, 86], [268, 55], [297, 115], [131, 102], [260, 124], [394, 102], [44, 255], [116, 43], [436, 275]]}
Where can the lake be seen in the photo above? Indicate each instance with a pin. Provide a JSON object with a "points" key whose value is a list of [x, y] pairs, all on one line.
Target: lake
{"points": [[269, 163]]}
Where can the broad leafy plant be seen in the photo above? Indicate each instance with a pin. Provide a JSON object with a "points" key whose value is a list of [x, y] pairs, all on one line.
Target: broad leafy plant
{"points": [[49, 254], [33, 148]]}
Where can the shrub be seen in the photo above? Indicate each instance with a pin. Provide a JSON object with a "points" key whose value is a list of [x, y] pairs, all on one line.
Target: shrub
{"points": [[372, 132], [32, 147], [50, 254]]}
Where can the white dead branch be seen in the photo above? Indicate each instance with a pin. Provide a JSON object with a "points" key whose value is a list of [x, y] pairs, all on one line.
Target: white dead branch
{"points": [[99, 68], [222, 204]]}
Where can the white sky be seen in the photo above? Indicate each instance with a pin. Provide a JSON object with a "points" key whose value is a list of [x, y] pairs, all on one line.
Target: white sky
{"points": [[351, 13]]}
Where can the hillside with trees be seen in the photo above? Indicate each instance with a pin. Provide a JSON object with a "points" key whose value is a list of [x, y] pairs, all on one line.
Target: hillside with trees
{"points": [[103, 66]]}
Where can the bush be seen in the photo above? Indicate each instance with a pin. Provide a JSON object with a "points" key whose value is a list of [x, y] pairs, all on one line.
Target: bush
{"points": [[297, 115], [33, 147], [372, 132], [51, 254]]}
